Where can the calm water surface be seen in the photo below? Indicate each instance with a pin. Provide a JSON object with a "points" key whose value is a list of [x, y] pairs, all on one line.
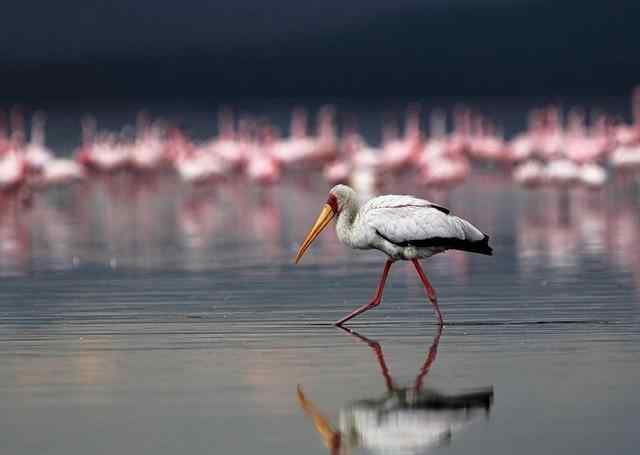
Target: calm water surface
{"points": [[149, 318]]}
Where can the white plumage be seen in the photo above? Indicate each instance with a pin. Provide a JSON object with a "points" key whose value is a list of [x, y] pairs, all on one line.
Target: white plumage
{"points": [[416, 219], [403, 227]]}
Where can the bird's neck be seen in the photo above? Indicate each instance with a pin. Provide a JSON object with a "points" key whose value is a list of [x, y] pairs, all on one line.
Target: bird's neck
{"points": [[345, 221]]}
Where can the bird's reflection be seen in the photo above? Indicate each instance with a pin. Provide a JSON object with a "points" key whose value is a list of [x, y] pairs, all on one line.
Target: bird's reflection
{"points": [[405, 420]]}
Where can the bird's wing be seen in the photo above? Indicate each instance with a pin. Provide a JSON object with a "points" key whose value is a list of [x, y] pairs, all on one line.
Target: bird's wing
{"points": [[393, 201], [419, 224]]}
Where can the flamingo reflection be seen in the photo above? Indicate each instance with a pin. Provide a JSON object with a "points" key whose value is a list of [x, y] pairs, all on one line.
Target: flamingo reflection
{"points": [[404, 420]]}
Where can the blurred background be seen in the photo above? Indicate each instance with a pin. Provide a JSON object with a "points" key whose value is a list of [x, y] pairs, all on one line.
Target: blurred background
{"points": [[161, 161], [210, 50]]}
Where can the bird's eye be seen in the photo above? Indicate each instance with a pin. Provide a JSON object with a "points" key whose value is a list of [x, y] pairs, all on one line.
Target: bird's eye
{"points": [[332, 201]]}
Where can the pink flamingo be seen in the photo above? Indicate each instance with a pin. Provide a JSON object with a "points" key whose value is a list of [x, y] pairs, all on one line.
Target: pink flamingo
{"points": [[630, 134], [626, 153], [584, 146], [148, 152], [13, 168], [60, 171], [35, 152], [357, 163], [339, 170], [104, 152], [487, 144], [399, 154], [194, 165], [524, 145], [459, 140], [325, 146], [263, 167], [529, 173], [561, 170], [226, 146], [592, 175], [440, 163], [551, 143], [84, 152], [299, 145]]}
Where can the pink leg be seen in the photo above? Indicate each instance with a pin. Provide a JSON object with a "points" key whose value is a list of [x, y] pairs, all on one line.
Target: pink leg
{"points": [[431, 293], [376, 299], [433, 352], [377, 349]]}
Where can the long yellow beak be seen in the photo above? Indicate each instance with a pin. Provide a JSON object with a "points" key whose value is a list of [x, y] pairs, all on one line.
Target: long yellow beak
{"points": [[326, 215]]}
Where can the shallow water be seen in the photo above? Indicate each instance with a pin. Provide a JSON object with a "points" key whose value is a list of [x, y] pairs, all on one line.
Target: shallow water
{"points": [[146, 317]]}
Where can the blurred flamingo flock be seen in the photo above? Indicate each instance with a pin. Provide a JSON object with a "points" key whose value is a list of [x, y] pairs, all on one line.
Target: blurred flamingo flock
{"points": [[555, 149]]}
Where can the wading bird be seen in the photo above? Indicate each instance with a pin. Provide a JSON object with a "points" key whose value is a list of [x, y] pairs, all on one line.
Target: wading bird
{"points": [[403, 227]]}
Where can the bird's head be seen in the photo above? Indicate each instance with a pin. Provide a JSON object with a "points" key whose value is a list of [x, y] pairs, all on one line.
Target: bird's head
{"points": [[339, 196]]}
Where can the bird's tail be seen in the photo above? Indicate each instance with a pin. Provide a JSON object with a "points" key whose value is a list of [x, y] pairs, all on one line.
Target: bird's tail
{"points": [[475, 241], [479, 246]]}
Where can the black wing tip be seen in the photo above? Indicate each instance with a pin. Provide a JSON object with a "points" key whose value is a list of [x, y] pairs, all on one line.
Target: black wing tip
{"points": [[482, 246], [443, 209], [478, 246]]}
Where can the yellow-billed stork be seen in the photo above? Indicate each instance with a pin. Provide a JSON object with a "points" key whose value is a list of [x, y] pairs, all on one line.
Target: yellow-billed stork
{"points": [[402, 227]]}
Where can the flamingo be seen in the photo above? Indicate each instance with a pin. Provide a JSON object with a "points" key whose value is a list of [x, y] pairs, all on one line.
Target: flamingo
{"points": [[194, 164], [583, 146], [630, 134], [524, 145], [262, 166], [402, 227], [442, 165], [359, 166], [299, 144], [13, 166], [104, 153], [341, 168], [488, 144], [626, 154], [551, 142], [60, 171], [147, 153], [13, 169], [227, 146], [445, 171], [561, 171], [459, 139], [84, 153], [325, 146], [592, 175], [338, 170], [529, 173], [365, 174], [626, 157], [399, 153], [36, 153]]}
